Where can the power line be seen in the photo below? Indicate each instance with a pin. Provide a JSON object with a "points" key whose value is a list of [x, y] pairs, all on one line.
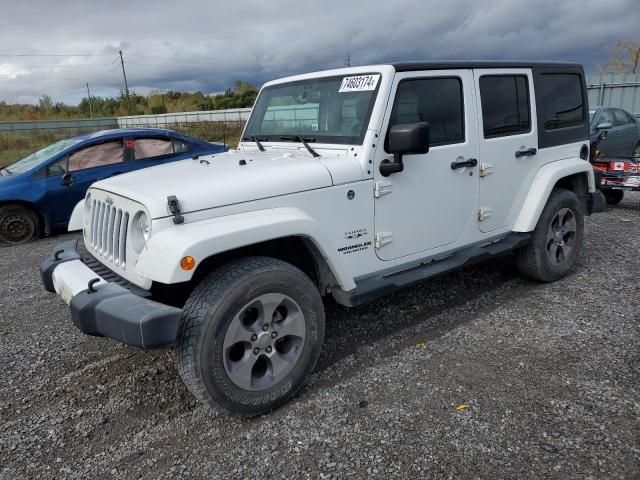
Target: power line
{"points": [[88, 65], [190, 61], [54, 54]]}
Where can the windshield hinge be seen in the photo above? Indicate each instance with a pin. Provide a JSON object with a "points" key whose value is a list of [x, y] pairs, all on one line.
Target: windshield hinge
{"points": [[381, 188], [174, 209], [383, 238]]}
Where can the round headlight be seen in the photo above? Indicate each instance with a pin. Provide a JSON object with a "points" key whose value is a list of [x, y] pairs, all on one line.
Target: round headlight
{"points": [[140, 231]]}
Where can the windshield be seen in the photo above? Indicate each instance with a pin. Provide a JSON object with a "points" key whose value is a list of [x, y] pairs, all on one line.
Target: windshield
{"points": [[32, 161], [327, 110]]}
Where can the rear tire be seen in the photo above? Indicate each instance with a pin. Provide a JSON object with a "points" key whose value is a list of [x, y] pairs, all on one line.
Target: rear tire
{"points": [[18, 225], [613, 197], [250, 334], [556, 239]]}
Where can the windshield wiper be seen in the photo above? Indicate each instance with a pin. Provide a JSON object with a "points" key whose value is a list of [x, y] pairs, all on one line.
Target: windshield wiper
{"points": [[303, 141], [6, 172], [257, 140]]}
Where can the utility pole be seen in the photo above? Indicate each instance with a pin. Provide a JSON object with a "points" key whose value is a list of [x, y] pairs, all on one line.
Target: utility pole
{"points": [[348, 61], [90, 106], [126, 86]]}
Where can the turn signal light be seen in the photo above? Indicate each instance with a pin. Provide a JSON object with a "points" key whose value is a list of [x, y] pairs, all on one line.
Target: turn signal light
{"points": [[187, 263]]}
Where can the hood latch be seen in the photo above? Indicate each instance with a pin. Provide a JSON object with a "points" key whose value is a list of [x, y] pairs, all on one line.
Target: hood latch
{"points": [[174, 209]]}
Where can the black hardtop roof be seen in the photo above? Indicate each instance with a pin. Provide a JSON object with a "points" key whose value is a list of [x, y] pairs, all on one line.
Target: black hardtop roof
{"points": [[463, 64]]}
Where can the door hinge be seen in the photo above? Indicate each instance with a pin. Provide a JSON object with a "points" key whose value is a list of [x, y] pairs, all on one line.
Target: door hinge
{"points": [[486, 169], [383, 238], [381, 188], [484, 213]]}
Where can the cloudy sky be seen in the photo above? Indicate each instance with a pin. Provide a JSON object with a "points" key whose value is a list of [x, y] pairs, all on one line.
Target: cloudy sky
{"points": [[206, 45]]}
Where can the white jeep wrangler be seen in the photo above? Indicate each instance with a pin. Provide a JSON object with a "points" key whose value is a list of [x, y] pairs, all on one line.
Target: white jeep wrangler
{"points": [[351, 183]]}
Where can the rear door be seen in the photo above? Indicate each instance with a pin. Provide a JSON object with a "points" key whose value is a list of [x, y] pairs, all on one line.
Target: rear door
{"points": [[69, 179], [508, 143], [146, 151]]}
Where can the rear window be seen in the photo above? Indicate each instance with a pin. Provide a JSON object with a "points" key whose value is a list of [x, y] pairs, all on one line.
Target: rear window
{"points": [[562, 100]]}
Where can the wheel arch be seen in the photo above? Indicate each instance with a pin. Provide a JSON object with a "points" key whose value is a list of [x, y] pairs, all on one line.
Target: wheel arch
{"points": [[288, 234], [297, 250], [572, 174]]}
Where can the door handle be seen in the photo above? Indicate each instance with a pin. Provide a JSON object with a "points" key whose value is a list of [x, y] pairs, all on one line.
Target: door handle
{"points": [[530, 152], [471, 162]]}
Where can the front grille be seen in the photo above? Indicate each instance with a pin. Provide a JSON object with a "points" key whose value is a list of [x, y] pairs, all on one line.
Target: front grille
{"points": [[108, 232], [109, 275]]}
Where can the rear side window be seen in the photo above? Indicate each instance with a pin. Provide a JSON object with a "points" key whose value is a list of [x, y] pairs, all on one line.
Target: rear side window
{"points": [[179, 146], [151, 147], [434, 100], [562, 100], [505, 105]]}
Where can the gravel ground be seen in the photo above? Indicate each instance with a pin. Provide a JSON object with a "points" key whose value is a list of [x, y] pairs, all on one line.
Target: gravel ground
{"points": [[477, 374]]}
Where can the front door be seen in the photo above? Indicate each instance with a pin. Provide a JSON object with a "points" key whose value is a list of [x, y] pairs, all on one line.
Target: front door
{"points": [[508, 144], [433, 201], [69, 179]]}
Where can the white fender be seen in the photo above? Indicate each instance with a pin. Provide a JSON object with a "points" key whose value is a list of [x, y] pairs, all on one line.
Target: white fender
{"points": [[76, 222], [541, 188], [160, 259]]}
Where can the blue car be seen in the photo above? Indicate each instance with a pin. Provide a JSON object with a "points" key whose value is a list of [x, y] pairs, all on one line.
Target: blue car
{"points": [[39, 192]]}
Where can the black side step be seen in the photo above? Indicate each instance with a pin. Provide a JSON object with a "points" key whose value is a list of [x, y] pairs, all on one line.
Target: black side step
{"points": [[373, 287]]}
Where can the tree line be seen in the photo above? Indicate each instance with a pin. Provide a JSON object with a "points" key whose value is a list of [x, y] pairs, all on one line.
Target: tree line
{"points": [[241, 95]]}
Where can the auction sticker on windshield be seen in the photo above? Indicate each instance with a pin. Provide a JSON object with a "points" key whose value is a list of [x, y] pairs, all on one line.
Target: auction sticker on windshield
{"points": [[360, 83]]}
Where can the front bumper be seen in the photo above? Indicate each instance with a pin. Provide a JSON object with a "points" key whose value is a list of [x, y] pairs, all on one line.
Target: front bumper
{"points": [[107, 309]]}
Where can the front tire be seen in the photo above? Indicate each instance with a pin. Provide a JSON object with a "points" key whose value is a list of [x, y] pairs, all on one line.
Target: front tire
{"points": [[556, 239], [18, 225], [250, 334]]}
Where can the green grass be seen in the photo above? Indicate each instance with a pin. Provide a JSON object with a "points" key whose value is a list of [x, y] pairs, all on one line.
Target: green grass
{"points": [[14, 146]]}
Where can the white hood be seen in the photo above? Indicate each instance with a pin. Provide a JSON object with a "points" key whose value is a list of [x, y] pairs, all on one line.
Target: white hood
{"points": [[226, 179]]}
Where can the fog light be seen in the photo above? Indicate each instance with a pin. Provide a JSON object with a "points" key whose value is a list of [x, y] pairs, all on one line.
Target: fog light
{"points": [[187, 263]]}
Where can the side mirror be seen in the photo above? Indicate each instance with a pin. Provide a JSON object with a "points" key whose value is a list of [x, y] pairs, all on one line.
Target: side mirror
{"points": [[405, 139], [67, 180], [604, 126], [602, 135]]}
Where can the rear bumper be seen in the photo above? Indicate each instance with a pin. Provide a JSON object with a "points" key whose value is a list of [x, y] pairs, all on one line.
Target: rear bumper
{"points": [[107, 309]]}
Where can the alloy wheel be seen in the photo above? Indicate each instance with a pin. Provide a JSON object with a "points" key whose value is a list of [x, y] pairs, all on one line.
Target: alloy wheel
{"points": [[561, 236], [264, 341]]}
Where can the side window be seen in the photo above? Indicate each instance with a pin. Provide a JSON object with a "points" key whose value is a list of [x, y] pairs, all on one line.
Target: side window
{"points": [[434, 100], [505, 105], [151, 147], [561, 96], [605, 117], [57, 168], [621, 118], [99, 155], [179, 146]]}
